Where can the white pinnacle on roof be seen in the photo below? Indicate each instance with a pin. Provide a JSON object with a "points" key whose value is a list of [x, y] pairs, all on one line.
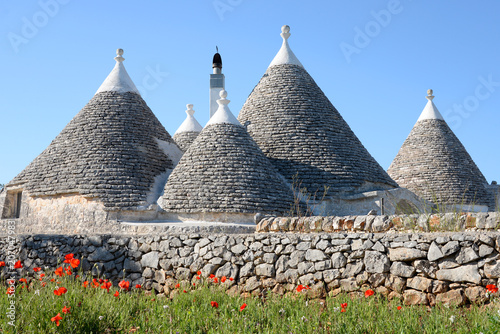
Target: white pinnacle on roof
{"points": [[430, 111], [285, 55], [118, 80], [223, 114], [190, 124]]}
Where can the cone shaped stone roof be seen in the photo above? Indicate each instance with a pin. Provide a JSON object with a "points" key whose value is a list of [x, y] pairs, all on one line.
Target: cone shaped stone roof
{"points": [[225, 171], [114, 150], [304, 136], [188, 131], [433, 163]]}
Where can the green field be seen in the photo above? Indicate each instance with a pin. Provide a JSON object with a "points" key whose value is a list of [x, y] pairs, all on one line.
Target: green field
{"points": [[93, 309]]}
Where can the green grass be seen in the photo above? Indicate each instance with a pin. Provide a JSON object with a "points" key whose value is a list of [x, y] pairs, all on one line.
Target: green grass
{"points": [[94, 310]]}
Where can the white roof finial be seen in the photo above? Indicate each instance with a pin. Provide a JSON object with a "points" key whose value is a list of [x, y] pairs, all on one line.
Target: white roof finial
{"points": [[285, 54], [190, 110], [118, 80], [223, 114], [119, 54], [190, 124], [430, 110], [429, 95]]}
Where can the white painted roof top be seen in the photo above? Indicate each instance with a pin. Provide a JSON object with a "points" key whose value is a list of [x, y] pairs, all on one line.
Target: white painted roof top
{"points": [[223, 114], [430, 111], [118, 80], [285, 55], [190, 124]]}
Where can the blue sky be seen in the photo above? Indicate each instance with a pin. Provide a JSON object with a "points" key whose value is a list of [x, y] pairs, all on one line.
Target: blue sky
{"points": [[374, 60]]}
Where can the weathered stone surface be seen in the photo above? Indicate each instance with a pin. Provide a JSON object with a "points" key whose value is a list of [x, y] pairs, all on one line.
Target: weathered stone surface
{"points": [[265, 269], [434, 253], [377, 279], [132, 266], [405, 254], [428, 268], [315, 255], [402, 270], [485, 250], [376, 262], [352, 269], [395, 283], [101, 254], [150, 260], [330, 275], [419, 283], [450, 248], [492, 270], [349, 284], [338, 260], [414, 297], [452, 297], [476, 294], [252, 283], [466, 255], [467, 273]]}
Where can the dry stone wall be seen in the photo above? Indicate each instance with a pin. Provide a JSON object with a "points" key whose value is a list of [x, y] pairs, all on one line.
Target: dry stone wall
{"points": [[377, 223], [421, 268]]}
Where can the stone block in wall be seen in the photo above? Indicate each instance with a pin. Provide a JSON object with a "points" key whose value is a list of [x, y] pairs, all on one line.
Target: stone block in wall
{"points": [[414, 297], [434, 253], [452, 297], [428, 268], [402, 270], [376, 262], [492, 269], [467, 273], [419, 283], [349, 284], [476, 294], [405, 254]]}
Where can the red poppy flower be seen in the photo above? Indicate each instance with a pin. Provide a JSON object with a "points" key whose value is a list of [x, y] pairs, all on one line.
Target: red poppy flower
{"points": [[23, 280], [223, 279], [10, 291], [42, 275], [117, 294], [343, 305], [138, 286], [106, 285], [68, 271], [59, 272], [178, 285], [18, 265], [56, 318], [66, 310], [198, 277], [60, 291], [52, 280], [85, 284], [214, 304], [399, 307], [101, 280], [124, 285], [44, 284], [216, 280], [194, 284], [342, 310], [68, 258], [184, 291], [242, 307], [74, 263], [300, 288], [198, 272], [492, 288], [37, 269], [2, 264], [211, 276], [231, 279], [369, 293]]}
